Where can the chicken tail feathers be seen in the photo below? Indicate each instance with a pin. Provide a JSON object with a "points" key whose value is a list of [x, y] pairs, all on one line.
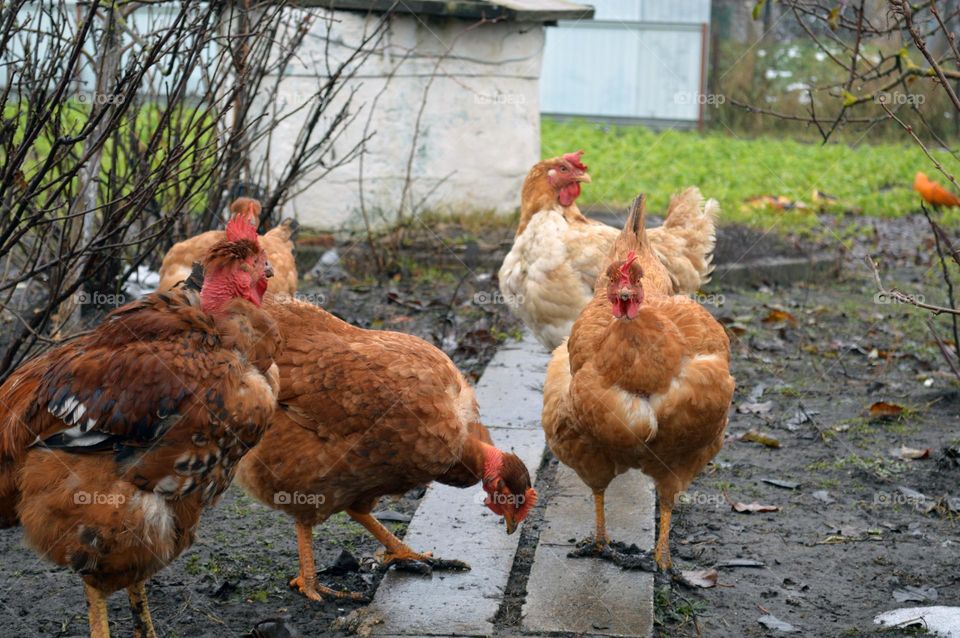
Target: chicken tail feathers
{"points": [[684, 243], [633, 237], [286, 230]]}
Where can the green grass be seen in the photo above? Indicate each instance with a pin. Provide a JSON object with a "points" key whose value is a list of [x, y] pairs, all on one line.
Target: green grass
{"points": [[873, 180]]}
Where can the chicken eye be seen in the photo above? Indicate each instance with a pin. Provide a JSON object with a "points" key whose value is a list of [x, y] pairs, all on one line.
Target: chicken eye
{"points": [[563, 169]]}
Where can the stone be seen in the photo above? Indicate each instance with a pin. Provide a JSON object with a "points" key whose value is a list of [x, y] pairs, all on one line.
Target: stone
{"points": [[587, 595]]}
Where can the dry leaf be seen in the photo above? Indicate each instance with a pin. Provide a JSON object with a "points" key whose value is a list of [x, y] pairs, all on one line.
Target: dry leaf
{"points": [[777, 315], [705, 578], [884, 410], [750, 407], [736, 329], [759, 437], [910, 453], [749, 508]]}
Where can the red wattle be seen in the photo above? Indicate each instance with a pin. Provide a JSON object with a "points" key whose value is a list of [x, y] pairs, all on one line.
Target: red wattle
{"points": [[569, 193]]}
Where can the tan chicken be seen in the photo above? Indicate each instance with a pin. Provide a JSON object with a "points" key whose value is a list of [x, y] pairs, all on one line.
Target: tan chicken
{"points": [[547, 278], [112, 445], [364, 414], [645, 385], [277, 243]]}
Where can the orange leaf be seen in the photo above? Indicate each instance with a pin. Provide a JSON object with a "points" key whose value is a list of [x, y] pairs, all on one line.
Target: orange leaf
{"points": [[776, 315], [884, 410]]}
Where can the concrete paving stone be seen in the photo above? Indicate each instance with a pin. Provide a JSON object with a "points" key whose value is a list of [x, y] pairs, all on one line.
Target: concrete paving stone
{"points": [[629, 508], [586, 596], [589, 596], [446, 603], [454, 524], [510, 392]]}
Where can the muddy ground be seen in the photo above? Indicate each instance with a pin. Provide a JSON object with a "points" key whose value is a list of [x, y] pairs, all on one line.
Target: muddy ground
{"points": [[810, 359]]}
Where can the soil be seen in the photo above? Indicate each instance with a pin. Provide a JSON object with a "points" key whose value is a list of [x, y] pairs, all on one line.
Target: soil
{"points": [[846, 541]]}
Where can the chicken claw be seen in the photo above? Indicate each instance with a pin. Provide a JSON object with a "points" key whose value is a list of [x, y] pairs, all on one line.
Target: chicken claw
{"points": [[428, 565], [317, 592], [620, 554]]}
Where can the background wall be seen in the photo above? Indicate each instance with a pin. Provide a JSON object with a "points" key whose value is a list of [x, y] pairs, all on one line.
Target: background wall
{"points": [[475, 91]]}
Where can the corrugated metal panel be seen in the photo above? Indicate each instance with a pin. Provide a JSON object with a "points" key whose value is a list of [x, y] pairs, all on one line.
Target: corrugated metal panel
{"points": [[636, 60]]}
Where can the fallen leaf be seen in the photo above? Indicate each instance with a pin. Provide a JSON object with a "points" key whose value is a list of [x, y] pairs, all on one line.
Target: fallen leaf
{"points": [[749, 508], [772, 622], [736, 329], [759, 437], [884, 410], [787, 485], [799, 418], [704, 578], [910, 453], [912, 494], [741, 562], [911, 594], [755, 408], [776, 315], [757, 393], [823, 496]]}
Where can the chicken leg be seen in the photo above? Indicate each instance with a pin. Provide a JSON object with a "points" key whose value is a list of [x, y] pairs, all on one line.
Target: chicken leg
{"points": [[143, 623], [399, 552], [599, 545], [97, 612], [662, 550], [306, 581], [600, 537]]}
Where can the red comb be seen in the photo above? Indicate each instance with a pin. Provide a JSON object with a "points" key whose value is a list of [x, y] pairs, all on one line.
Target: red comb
{"points": [[574, 158], [243, 224], [625, 268]]}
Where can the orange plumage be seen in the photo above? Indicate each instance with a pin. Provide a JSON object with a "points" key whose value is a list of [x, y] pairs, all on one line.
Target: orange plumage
{"points": [[933, 193], [364, 414], [277, 243], [113, 444], [643, 382]]}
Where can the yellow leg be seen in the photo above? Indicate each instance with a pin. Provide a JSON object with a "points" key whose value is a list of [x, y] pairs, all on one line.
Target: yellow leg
{"points": [[306, 582], [662, 553], [142, 622], [600, 536], [97, 612], [396, 548]]}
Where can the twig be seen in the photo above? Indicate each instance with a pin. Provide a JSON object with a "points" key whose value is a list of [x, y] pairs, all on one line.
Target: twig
{"points": [[904, 298], [946, 278]]}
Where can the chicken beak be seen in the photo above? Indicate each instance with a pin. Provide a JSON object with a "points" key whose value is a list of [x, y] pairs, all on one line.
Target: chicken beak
{"points": [[584, 178], [268, 270], [511, 524]]}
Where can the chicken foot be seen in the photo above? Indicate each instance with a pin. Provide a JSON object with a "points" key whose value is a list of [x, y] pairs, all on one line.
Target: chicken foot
{"points": [[97, 612], [600, 546], [306, 582], [142, 622], [399, 554]]}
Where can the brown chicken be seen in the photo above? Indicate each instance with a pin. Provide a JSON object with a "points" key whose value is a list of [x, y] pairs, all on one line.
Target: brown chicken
{"points": [[277, 243], [933, 193], [363, 414], [112, 445], [645, 384], [547, 278]]}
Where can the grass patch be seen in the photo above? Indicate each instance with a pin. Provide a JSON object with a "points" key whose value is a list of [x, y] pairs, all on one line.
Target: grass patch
{"points": [[675, 611], [874, 180]]}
